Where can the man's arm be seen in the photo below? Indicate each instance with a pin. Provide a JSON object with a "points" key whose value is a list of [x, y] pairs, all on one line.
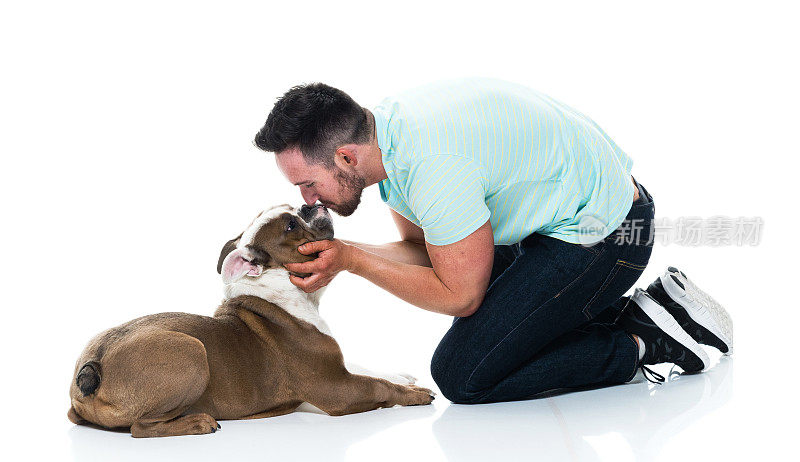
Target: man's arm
{"points": [[455, 284], [411, 249]]}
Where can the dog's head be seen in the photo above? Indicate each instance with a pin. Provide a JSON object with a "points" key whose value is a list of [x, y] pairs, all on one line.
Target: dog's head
{"points": [[272, 239]]}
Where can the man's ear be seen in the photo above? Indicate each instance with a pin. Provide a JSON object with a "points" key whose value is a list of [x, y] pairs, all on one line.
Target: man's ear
{"points": [[229, 247], [345, 157]]}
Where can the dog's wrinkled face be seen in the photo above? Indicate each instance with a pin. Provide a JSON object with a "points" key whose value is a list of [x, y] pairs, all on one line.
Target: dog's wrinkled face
{"points": [[272, 239]]}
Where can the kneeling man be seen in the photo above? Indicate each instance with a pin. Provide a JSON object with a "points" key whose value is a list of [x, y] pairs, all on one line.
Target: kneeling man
{"points": [[516, 214]]}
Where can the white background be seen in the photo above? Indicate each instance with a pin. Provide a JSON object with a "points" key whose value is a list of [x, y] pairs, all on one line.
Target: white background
{"points": [[127, 161]]}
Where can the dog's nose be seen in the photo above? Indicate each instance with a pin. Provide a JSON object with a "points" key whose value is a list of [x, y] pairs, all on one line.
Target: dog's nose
{"points": [[307, 212], [308, 209]]}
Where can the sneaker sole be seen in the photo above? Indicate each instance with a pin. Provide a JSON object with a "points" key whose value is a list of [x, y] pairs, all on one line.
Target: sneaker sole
{"points": [[669, 325], [700, 306]]}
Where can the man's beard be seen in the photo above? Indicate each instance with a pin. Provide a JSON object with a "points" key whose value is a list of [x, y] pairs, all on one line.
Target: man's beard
{"points": [[352, 184]]}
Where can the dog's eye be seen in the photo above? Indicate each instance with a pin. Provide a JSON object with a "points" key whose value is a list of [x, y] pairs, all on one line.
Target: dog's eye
{"points": [[292, 224]]}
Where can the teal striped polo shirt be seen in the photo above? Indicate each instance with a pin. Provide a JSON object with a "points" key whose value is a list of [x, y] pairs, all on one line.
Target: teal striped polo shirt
{"points": [[458, 153]]}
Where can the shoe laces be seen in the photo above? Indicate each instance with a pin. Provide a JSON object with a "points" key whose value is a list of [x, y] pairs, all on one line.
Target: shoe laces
{"points": [[622, 311], [659, 379]]}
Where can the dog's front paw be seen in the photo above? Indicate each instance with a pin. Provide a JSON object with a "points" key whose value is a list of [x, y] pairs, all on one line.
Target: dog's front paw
{"points": [[413, 395], [411, 379], [400, 378]]}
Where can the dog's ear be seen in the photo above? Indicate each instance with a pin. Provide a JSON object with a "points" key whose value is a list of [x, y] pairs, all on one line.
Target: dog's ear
{"points": [[229, 247]]}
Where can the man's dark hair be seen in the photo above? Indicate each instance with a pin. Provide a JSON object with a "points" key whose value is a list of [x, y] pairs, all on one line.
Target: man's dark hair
{"points": [[317, 119]]}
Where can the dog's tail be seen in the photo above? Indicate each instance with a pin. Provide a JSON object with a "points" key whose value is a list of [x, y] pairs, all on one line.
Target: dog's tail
{"points": [[88, 378]]}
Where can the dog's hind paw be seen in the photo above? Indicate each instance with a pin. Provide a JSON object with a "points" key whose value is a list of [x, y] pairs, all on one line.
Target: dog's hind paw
{"points": [[192, 424]]}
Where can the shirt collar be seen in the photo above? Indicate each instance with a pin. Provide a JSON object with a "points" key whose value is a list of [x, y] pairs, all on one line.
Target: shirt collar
{"points": [[384, 143]]}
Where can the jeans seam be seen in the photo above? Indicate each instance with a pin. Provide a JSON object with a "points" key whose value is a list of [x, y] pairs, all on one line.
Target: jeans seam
{"points": [[631, 265], [603, 287], [585, 270], [477, 366]]}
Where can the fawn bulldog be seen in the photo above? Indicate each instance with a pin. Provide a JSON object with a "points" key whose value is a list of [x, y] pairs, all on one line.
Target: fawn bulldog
{"points": [[265, 351]]}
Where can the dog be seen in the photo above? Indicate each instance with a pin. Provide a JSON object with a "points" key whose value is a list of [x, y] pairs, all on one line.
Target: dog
{"points": [[265, 351]]}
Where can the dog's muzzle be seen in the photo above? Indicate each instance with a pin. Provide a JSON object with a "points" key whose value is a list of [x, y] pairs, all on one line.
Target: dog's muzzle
{"points": [[318, 219]]}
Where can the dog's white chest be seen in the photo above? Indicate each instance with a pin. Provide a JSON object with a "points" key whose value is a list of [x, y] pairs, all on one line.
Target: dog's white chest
{"points": [[274, 286]]}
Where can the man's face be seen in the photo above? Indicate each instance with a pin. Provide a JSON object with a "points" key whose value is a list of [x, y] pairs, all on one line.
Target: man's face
{"points": [[336, 189]]}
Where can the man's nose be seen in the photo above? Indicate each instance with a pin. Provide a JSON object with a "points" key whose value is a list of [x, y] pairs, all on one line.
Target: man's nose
{"points": [[309, 197]]}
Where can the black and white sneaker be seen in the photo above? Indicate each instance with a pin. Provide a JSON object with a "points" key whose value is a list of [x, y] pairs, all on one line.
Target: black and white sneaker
{"points": [[665, 341], [696, 312]]}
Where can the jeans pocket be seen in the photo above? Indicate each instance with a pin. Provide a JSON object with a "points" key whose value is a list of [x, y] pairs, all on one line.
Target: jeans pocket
{"points": [[622, 277]]}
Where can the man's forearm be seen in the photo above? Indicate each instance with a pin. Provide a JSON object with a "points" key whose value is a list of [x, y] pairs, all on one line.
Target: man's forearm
{"points": [[409, 252], [417, 285]]}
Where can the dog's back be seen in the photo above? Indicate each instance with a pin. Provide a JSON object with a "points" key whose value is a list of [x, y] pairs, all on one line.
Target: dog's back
{"points": [[169, 363]]}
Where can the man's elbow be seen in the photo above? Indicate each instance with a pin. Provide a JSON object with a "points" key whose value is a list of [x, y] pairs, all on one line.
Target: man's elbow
{"points": [[469, 307]]}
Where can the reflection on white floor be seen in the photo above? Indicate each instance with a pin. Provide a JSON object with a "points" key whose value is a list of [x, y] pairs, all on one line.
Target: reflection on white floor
{"points": [[634, 421], [637, 418]]}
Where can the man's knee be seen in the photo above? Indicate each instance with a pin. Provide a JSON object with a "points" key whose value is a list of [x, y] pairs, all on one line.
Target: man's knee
{"points": [[451, 380]]}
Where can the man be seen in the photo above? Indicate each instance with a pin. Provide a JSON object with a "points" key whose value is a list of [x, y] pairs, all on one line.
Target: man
{"points": [[498, 192]]}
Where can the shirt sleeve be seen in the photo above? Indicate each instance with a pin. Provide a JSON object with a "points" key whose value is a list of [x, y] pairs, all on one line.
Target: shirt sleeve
{"points": [[447, 194]]}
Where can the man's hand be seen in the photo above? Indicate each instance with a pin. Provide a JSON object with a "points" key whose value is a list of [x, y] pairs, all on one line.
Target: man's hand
{"points": [[334, 256]]}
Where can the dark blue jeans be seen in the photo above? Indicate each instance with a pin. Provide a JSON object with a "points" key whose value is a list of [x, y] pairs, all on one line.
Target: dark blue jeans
{"points": [[547, 320]]}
